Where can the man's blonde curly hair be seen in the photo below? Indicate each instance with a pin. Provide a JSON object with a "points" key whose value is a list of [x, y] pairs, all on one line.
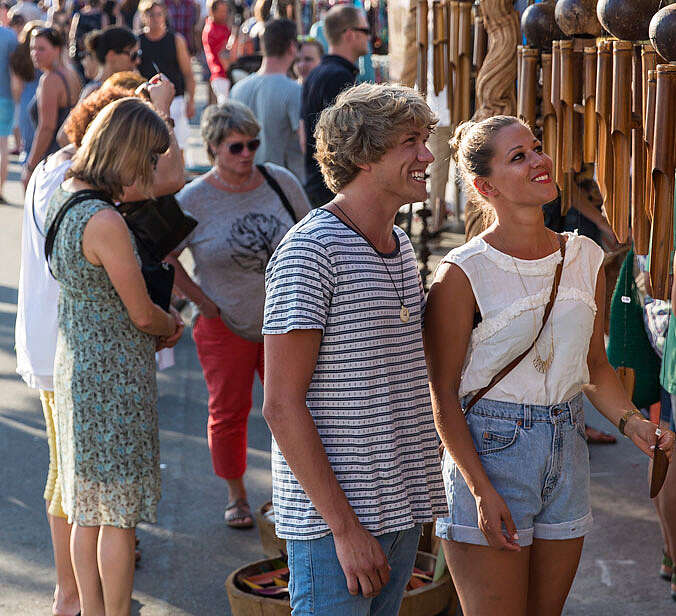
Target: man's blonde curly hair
{"points": [[363, 123]]}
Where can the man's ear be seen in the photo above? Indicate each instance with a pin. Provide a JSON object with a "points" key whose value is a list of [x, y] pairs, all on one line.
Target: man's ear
{"points": [[364, 166], [484, 187]]}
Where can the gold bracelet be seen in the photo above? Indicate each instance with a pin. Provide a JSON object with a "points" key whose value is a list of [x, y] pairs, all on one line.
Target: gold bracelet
{"points": [[625, 418]]}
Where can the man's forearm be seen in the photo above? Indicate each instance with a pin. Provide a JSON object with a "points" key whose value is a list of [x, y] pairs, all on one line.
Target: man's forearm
{"points": [[298, 440]]}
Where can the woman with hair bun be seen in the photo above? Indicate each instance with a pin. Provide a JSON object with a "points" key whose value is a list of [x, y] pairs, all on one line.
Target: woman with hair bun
{"points": [[116, 49], [525, 304]]}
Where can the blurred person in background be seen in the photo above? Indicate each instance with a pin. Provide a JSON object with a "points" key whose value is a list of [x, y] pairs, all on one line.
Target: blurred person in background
{"points": [[116, 49], [57, 92], [89, 17], [8, 43], [310, 54], [167, 51], [182, 16], [348, 32], [109, 461], [215, 36], [274, 98], [24, 78], [28, 9], [243, 213]]}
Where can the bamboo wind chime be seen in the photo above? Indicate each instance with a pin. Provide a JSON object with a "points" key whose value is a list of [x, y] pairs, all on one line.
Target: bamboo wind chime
{"points": [[440, 44], [423, 41]]}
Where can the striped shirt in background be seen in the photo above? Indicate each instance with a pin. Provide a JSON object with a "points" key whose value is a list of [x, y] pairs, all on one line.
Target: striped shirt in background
{"points": [[369, 394]]}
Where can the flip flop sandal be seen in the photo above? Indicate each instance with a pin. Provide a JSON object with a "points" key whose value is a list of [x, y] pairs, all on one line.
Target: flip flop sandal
{"points": [[238, 514], [666, 569]]}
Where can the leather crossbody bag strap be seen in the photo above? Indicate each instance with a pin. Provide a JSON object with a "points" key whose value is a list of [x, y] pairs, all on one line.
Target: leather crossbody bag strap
{"points": [[517, 360]]}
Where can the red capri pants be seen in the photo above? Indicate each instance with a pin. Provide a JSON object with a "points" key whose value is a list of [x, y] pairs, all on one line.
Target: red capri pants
{"points": [[228, 362]]}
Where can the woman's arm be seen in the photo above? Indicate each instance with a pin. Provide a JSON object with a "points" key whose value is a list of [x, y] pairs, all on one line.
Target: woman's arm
{"points": [[106, 242], [17, 85], [191, 289], [605, 390], [449, 317], [48, 103], [183, 57]]}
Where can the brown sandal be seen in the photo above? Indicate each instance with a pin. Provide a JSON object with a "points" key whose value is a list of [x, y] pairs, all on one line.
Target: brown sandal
{"points": [[238, 514]]}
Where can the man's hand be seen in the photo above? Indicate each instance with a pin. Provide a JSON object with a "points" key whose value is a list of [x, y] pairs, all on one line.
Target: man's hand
{"points": [[363, 561]]}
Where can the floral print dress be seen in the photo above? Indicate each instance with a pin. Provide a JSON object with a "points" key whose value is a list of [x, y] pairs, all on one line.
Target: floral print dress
{"points": [[105, 389]]}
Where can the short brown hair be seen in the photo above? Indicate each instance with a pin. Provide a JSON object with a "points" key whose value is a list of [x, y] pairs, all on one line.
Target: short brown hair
{"points": [[220, 121], [338, 19], [119, 146], [363, 124], [277, 37], [145, 5], [129, 80]]}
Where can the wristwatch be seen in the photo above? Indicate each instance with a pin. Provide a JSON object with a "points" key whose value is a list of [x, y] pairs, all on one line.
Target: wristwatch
{"points": [[625, 418]]}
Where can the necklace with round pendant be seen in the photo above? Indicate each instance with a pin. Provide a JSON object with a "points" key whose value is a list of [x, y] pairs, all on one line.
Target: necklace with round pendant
{"points": [[404, 313]]}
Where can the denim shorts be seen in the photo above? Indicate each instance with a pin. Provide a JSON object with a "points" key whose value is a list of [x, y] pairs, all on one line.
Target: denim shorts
{"points": [[536, 457], [318, 586]]}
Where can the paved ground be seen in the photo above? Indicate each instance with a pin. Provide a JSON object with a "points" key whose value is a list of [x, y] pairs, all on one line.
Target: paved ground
{"points": [[190, 552]]}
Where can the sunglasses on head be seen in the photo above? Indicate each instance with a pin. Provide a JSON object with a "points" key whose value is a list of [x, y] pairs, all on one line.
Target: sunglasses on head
{"points": [[238, 146], [366, 31]]}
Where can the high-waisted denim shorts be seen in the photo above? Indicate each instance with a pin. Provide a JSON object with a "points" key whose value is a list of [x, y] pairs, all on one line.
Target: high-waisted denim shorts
{"points": [[537, 459]]}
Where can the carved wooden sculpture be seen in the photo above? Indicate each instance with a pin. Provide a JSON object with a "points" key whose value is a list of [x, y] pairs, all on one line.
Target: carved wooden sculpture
{"points": [[663, 168], [621, 136], [422, 39], [604, 151], [495, 92], [589, 103], [463, 94], [548, 114], [648, 57], [439, 43], [526, 108], [480, 40], [640, 224]]}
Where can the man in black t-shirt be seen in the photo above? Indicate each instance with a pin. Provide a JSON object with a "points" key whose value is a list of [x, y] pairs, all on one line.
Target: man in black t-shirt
{"points": [[347, 32]]}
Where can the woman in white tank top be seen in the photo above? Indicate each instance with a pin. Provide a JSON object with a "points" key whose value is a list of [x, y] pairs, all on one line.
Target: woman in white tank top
{"points": [[516, 466]]}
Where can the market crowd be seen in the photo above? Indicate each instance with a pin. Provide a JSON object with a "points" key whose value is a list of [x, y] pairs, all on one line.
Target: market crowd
{"points": [[300, 275]]}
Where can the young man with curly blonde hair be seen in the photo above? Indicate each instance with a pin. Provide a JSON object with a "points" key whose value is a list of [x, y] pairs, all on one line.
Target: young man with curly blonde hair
{"points": [[355, 465]]}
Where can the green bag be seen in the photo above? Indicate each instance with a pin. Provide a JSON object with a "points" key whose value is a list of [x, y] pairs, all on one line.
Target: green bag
{"points": [[628, 343]]}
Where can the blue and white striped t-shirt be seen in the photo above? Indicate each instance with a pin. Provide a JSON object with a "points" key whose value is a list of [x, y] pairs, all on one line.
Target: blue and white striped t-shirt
{"points": [[369, 395]]}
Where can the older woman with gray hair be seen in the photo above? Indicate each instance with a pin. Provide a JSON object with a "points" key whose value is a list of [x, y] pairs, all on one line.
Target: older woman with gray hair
{"points": [[243, 211]]}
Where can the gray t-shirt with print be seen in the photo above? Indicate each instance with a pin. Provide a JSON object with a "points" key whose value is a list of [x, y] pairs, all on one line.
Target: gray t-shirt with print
{"points": [[234, 240], [275, 101]]}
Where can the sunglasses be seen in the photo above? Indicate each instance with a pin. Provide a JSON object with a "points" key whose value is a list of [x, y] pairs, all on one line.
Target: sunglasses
{"points": [[238, 147], [366, 31], [133, 55]]}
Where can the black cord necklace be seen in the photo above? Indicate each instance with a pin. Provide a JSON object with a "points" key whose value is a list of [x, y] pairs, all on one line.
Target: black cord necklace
{"points": [[404, 313]]}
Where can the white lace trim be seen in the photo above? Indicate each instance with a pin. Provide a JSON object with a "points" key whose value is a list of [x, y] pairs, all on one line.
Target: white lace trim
{"points": [[489, 327], [535, 267]]}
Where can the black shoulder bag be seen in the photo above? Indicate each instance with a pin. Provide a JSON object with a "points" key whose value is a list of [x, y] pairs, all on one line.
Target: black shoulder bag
{"points": [[278, 189], [159, 225]]}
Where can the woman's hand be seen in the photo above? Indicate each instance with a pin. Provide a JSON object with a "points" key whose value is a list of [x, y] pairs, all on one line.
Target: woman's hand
{"points": [[493, 513], [208, 309], [170, 341], [642, 433], [161, 92]]}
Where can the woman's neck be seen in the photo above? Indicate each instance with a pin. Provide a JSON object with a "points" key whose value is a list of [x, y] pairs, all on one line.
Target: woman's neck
{"points": [[521, 233]]}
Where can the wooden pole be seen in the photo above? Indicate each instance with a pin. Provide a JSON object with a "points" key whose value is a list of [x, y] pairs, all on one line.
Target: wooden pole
{"points": [[589, 102], [528, 86], [663, 168], [604, 151], [464, 61], [640, 224], [621, 137], [649, 65], [423, 41], [548, 114]]}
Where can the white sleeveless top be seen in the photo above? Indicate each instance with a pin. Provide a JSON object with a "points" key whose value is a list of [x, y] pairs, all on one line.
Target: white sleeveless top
{"points": [[508, 326]]}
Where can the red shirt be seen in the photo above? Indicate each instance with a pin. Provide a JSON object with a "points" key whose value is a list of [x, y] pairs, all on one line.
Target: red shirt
{"points": [[214, 38]]}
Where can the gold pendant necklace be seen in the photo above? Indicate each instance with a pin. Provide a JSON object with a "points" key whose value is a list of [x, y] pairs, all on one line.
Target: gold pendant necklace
{"points": [[404, 314], [540, 364]]}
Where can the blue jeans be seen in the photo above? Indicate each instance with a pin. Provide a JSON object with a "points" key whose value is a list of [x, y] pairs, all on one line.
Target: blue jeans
{"points": [[318, 586]]}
